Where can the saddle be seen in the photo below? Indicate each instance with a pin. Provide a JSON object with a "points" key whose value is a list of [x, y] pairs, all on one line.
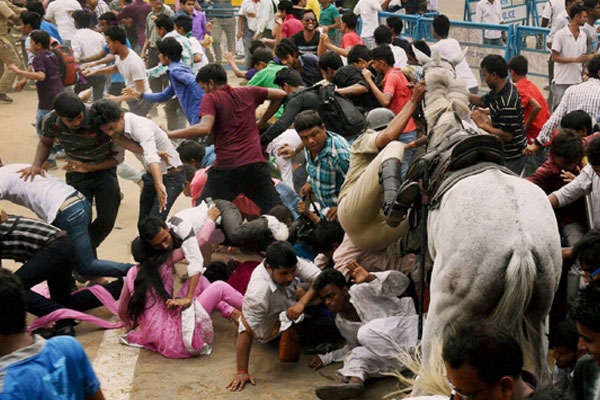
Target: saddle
{"points": [[460, 151]]}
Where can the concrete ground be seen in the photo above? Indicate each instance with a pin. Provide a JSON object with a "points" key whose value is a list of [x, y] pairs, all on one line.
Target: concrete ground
{"points": [[127, 373]]}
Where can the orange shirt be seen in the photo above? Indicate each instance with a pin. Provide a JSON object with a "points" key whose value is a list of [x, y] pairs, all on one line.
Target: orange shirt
{"points": [[395, 83]]}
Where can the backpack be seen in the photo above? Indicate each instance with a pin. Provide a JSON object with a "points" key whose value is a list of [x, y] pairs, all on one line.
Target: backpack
{"points": [[67, 66], [338, 113]]}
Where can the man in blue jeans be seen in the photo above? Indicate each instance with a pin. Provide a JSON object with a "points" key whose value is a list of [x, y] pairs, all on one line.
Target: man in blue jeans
{"points": [[59, 204]]}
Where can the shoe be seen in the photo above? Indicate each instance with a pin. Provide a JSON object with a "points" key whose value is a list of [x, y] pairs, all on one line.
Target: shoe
{"points": [[5, 99], [47, 333], [340, 391]]}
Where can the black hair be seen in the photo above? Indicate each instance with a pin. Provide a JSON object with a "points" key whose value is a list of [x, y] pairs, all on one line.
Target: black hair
{"points": [[307, 119], [422, 46], [148, 278], [116, 34], [36, 7], [488, 348], [594, 67], [104, 111], [189, 171], [109, 17], [568, 146], [441, 26], [287, 6], [217, 271], [12, 304], [184, 22], [593, 151], [395, 24], [256, 44], [170, 48], [83, 19], [576, 9], [190, 149], [564, 334], [282, 213], [286, 48], [212, 72], [577, 120], [357, 52], [289, 76], [590, 4], [383, 35], [41, 37], [495, 64], [68, 105], [261, 55], [309, 11], [325, 234], [32, 19], [330, 276], [350, 19], [330, 60], [383, 53], [281, 254], [586, 310], [587, 249], [519, 65], [164, 21]]}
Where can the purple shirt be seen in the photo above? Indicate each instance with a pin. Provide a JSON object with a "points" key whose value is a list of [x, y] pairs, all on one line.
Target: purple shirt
{"points": [[198, 23], [138, 10], [47, 89]]}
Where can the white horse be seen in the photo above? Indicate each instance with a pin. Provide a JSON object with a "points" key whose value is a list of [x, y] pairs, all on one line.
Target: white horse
{"points": [[493, 239]]}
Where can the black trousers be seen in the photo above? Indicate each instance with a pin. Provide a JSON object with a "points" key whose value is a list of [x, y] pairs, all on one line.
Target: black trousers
{"points": [[104, 187], [253, 180]]}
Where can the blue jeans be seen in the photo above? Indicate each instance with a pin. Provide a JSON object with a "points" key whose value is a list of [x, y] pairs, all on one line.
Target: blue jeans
{"points": [[289, 198], [534, 161], [149, 201], [75, 220], [409, 154]]}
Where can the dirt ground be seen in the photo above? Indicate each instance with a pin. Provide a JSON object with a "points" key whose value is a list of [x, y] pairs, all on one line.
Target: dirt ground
{"points": [[127, 373]]}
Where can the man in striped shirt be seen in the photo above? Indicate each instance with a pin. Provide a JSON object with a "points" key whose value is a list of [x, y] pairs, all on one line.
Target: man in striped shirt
{"points": [[47, 254], [506, 111]]}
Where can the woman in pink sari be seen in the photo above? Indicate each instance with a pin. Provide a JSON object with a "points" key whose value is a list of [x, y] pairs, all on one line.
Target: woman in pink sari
{"points": [[174, 332]]}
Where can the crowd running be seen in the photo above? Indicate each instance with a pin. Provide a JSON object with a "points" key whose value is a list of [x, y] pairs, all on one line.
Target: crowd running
{"points": [[306, 166]]}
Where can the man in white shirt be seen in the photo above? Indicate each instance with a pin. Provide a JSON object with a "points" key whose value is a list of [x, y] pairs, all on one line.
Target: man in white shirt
{"points": [[265, 19], [490, 12], [569, 49], [246, 27], [59, 13], [87, 43], [131, 67], [449, 48], [164, 179], [59, 204], [270, 303], [374, 322], [367, 10]]}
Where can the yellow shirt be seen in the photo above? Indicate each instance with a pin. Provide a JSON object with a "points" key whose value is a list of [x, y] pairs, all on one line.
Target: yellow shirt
{"points": [[315, 7]]}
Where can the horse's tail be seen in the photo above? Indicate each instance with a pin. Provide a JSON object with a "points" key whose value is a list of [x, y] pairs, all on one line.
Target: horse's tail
{"points": [[519, 281]]}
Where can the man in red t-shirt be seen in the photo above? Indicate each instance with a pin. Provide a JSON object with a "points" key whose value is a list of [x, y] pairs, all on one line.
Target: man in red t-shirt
{"points": [[395, 94], [240, 165], [349, 40], [535, 108]]}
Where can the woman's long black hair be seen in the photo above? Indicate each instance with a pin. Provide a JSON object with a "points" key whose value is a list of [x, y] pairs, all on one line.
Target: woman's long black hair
{"points": [[148, 277]]}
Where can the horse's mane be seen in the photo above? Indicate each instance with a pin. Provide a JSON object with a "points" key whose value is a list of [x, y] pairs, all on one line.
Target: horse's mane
{"points": [[446, 99]]}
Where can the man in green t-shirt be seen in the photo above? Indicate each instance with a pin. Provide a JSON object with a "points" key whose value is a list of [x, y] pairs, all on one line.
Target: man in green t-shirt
{"points": [[330, 19], [262, 61]]}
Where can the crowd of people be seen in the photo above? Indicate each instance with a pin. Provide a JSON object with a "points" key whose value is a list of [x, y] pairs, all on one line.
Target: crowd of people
{"points": [[327, 212]]}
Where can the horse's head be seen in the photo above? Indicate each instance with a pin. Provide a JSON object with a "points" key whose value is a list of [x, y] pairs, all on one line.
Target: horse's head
{"points": [[446, 99]]}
